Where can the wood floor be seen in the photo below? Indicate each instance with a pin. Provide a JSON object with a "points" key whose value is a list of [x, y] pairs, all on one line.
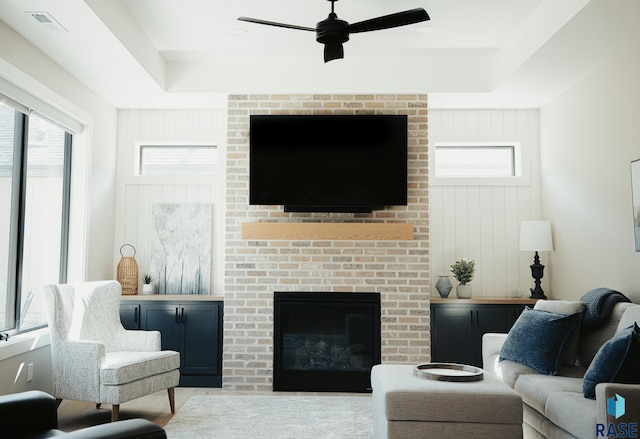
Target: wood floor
{"points": [[74, 415]]}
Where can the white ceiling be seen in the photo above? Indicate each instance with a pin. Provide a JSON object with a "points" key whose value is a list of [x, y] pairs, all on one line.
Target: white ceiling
{"points": [[476, 53]]}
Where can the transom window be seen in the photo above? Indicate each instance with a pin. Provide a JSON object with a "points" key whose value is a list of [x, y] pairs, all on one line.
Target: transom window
{"points": [[177, 160], [481, 160]]}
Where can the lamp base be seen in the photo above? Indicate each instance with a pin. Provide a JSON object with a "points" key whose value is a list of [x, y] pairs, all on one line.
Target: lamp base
{"points": [[537, 271], [537, 293]]}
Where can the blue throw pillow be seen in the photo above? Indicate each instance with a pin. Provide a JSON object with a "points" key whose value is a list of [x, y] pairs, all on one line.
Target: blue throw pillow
{"points": [[539, 339], [615, 362]]}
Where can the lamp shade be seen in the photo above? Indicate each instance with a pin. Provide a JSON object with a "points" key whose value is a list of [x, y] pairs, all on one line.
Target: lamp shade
{"points": [[535, 236]]}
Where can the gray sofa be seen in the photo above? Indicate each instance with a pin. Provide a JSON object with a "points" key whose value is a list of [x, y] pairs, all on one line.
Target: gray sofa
{"points": [[554, 406]]}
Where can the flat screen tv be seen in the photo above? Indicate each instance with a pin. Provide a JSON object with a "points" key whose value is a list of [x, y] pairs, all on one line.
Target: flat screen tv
{"points": [[328, 163]]}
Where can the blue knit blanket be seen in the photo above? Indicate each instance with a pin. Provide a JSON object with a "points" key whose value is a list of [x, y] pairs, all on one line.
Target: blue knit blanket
{"points": [[600, 302]]}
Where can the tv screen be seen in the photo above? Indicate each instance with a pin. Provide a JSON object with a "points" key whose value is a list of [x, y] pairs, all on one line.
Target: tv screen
{"points": [[328, 163]]}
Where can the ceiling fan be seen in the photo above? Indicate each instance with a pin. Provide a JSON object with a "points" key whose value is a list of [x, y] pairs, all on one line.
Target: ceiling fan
{"points": [[332, 31]]}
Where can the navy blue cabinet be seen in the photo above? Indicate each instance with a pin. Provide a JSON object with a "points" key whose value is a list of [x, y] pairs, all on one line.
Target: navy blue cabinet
{"points": [[193, 328], [457, 327], [130, 315]]}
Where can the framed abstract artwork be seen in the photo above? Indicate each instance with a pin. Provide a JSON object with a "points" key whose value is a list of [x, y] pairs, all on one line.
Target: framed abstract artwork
{"points": [[635, 195], [180, 242]]}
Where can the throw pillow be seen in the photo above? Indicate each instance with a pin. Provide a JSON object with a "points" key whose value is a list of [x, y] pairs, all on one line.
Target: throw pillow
{"points": [[539, 339], [616, 362], [565, 307]]}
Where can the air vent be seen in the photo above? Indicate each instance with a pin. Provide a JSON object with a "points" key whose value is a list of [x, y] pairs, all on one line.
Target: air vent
{"points": [[47, 20]]}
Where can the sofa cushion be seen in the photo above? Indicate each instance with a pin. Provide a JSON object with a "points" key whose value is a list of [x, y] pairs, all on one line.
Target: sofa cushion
{"points": [[573, 413], [565, 307], [536, 389], [616, 361], [539, 339]]}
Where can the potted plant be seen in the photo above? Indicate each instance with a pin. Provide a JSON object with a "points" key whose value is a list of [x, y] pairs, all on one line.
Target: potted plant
{"points": [[463, 271], [147, 288]]}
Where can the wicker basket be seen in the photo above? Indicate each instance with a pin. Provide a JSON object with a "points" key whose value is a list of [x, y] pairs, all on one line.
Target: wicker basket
{"points": [[128, 272]]}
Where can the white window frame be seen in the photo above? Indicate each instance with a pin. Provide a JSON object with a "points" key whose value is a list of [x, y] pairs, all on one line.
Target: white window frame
{"points": [[521, 165]]}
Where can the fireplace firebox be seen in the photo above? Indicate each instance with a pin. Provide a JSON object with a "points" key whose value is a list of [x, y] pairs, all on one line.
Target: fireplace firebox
{"points": [[325, 341]]}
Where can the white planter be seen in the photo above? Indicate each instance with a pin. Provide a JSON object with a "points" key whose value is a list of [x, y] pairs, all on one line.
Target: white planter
{"points": [[147, 289], [463, 291]]}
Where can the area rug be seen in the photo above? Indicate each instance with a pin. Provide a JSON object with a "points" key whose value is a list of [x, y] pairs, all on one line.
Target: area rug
{"points": [[272, 416]]}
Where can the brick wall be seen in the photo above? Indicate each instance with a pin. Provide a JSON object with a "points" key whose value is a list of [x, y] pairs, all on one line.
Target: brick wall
{"points": [[398, 270]]}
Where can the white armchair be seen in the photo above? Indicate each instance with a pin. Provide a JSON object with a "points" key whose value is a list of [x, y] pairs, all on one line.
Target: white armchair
{"points": [[94, 358]]}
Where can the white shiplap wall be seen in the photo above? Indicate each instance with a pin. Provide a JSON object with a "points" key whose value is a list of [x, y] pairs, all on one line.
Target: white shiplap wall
{"points": [[481, 220], [135, 195]]}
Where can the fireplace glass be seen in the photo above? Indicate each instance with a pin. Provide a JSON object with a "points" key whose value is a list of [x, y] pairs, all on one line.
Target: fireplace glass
{"points": [[325, 341]]}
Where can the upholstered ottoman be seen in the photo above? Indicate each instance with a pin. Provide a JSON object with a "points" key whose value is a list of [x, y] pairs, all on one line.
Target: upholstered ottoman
{"points": [[409, 407]]}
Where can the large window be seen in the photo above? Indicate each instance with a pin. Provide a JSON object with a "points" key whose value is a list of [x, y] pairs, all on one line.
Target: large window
{"points": [[35, 169]]}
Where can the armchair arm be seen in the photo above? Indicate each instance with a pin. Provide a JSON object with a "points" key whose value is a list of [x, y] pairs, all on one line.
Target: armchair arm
{"points": [[128, 429], [76, 369], [134, 340], [604, 391], [28, 412]]}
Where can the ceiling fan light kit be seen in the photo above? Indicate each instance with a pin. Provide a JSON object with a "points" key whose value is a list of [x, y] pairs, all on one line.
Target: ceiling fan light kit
{"points": [[333, 32]]}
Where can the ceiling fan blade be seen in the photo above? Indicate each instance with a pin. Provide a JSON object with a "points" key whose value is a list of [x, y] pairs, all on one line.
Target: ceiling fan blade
{"points": [[273, 23], [333, 51], [388, 21]]}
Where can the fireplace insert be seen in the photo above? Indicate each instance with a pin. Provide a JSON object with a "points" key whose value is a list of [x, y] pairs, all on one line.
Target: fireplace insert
{"points": [[325, 341]]}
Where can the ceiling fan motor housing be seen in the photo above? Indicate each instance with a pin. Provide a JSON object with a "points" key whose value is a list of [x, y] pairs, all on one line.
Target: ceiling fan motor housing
{"points": [[332, 30]]}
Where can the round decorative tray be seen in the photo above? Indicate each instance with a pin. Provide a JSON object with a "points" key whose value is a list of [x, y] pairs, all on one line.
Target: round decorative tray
{"points": [[448, 372]]}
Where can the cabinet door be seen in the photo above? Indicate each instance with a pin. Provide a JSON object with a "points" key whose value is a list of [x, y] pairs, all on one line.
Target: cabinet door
{"points": [[495, 318], [452, 334], [200, 327], [490, 318], [130, 315], [163, 317]]}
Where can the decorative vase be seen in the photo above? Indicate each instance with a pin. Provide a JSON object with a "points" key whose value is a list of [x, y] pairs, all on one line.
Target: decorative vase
{"points": [[463, 291], [147, 289], [444, 286]]}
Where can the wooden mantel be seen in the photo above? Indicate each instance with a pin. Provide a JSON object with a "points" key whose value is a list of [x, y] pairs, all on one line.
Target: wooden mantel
{"points": [[327, 231]]}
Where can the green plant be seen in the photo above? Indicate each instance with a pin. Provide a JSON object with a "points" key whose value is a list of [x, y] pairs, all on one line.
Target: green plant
{"points": [[463, 270], [147, 278]]}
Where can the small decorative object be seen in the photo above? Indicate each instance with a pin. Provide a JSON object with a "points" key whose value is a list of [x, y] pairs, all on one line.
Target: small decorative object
{"points": [[535, 236], [463, 271], [444, 286], [127, 273], [147, 288]]}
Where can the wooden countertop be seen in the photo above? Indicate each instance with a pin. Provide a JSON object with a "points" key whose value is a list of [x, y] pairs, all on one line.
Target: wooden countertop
{"points": [[487, 300], [180, 297]]}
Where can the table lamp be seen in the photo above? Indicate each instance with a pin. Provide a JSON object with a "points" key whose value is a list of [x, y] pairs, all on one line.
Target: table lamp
{"points": [[535, 236]]}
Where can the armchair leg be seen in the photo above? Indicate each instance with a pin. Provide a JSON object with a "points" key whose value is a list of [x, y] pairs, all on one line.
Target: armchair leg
{"points": [[115, 412], [172, 401]]}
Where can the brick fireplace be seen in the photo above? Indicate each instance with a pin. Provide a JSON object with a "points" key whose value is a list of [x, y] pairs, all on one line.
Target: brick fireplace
{"points": [[254, 269]]}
